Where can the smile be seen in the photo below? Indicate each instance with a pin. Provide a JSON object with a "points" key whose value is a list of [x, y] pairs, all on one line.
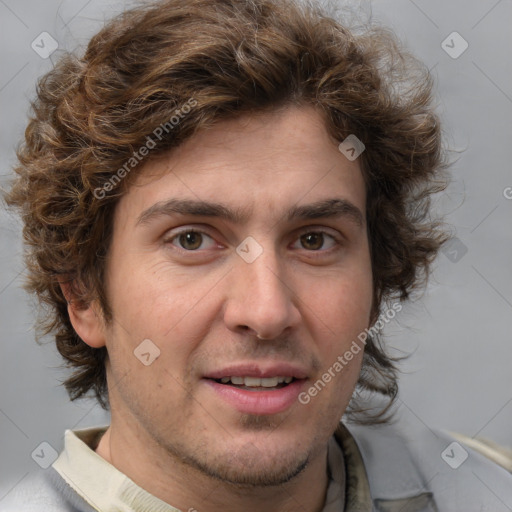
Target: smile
{"points": [[255, 382]]}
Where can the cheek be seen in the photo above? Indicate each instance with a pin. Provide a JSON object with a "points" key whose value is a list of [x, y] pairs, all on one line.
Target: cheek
{"points": [[356, 300], [143, 295], [341, 311], [342, 301], [158, 304]]}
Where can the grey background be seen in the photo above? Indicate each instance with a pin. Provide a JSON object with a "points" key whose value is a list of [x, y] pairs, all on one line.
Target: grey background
{"points": [[458, 332]]}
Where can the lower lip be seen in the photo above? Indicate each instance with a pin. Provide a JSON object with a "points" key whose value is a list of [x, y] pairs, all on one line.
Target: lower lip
{"points": [[259, 402]]}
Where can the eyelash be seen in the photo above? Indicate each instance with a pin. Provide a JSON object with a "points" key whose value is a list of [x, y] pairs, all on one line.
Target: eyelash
{"points": [[336, 240]]}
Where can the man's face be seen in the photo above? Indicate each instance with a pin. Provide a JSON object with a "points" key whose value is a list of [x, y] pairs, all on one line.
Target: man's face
{"points": [[201, 286]]}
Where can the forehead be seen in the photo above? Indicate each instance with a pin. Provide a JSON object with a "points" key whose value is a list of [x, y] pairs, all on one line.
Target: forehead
{"points": [[263, 164]]}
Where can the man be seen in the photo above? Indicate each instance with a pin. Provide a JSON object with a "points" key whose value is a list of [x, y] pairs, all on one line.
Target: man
{"points": [[224, 202]]}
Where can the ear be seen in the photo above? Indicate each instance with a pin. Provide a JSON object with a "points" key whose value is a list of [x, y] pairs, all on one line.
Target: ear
{"points": [[87, 320]]}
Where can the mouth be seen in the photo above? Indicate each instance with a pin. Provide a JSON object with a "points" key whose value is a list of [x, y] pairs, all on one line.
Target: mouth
{"points": [[252, 389], [256, 383]]}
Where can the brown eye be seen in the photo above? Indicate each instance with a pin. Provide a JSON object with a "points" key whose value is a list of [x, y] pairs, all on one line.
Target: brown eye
{"points": [[312, 241], [190, 240], [316, 240]]}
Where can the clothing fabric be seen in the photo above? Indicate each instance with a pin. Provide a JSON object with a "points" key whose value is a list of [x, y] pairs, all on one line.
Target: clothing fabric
{"points": [[383, 468]]}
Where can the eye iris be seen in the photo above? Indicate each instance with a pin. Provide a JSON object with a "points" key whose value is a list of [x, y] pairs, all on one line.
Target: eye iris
{"points": [[190, 240], [311, 238]]}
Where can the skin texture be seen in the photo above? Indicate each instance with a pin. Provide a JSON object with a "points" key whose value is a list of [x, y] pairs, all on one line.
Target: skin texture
{"points": [[202, 307]]}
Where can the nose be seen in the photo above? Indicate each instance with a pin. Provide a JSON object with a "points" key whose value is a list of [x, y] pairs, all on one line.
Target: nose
{"points": [[261, 297]]}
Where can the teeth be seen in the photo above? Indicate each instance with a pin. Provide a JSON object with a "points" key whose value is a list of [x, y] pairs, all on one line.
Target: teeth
{"points": [[268, 382]]}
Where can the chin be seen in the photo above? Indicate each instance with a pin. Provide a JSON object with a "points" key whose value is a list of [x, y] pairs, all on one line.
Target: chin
{"points": [[257, 461], [251, 471]]}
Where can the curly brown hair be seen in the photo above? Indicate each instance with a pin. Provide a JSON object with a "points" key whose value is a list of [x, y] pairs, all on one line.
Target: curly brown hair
{"points": [[232, 58]]}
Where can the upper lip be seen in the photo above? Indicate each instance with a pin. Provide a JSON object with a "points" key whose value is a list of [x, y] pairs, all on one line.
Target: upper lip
{"points": [[259, 370]]}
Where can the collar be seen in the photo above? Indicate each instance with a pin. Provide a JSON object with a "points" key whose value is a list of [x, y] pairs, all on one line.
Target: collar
{"points": [[97, 481], [357, 489]]}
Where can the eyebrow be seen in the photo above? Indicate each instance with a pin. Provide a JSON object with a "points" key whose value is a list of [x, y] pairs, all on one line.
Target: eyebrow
{"points": [[327, 208]]}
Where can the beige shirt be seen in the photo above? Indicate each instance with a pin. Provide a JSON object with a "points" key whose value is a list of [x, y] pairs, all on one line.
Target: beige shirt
{"points": [[106, 489]]}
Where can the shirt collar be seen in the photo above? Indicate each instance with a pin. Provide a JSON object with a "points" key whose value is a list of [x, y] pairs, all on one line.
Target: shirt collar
{"points": [[98, 482], [357, 488]]}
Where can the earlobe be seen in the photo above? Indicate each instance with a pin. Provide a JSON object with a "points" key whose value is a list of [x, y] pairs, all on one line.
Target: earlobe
{"points": [[87, 320]]}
